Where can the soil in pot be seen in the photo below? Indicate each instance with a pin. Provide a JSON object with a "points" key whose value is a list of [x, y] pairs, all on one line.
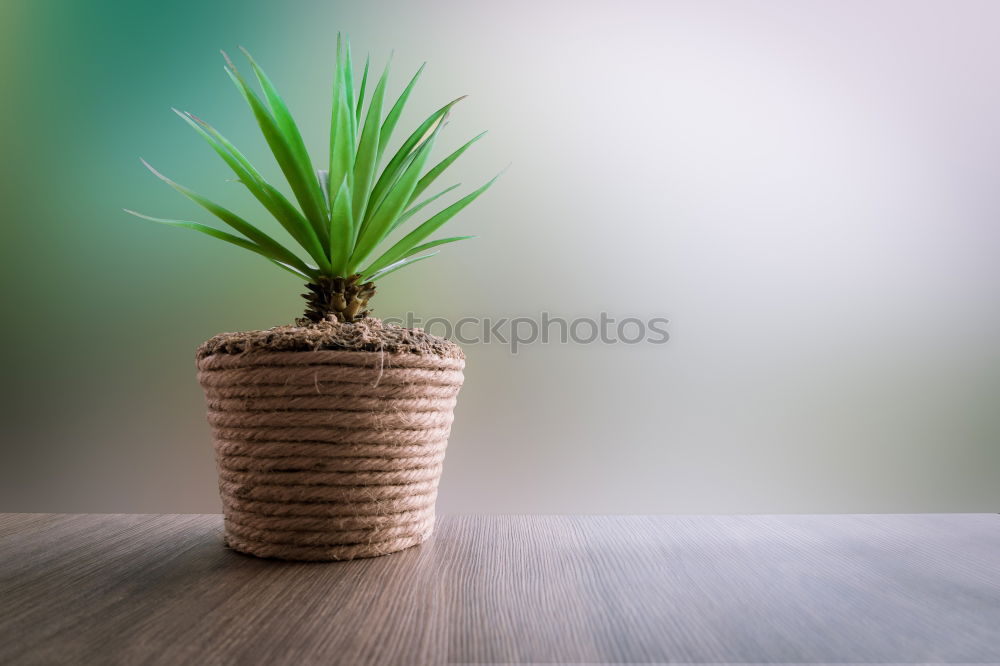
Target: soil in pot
{"points": [[329, 437]]}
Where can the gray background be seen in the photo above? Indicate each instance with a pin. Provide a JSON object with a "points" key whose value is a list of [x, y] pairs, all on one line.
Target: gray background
{"points": [[807, 190]]}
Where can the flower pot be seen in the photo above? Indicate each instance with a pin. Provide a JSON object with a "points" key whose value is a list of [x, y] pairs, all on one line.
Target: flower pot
{"points": [[328, 454]]}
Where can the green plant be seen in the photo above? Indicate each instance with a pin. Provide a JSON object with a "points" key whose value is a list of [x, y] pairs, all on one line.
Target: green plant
{"points": [[346, 212]]}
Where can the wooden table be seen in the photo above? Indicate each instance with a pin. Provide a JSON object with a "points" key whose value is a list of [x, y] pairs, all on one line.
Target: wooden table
{"points": [[138, 589]]}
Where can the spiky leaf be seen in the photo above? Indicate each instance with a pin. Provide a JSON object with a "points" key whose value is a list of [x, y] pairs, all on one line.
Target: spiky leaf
{"points": [[439, 168], [410, 212], [280, 208], [377, 228], [297, 178], [412, 239], [300, 269], [367, 155], [232, 219], [398, 164], [396, 266], [341, 228], [313, 207], [397, 109]]}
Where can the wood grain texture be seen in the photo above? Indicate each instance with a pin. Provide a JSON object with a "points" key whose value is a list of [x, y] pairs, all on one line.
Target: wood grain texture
{"points": [[140, 589]]}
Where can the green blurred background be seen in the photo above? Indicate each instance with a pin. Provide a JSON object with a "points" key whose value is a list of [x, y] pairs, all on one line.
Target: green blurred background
{"points": [[807, 190]]}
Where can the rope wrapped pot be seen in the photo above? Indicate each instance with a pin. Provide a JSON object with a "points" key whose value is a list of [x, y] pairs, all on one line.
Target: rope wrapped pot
{"points": [[328, 454]]}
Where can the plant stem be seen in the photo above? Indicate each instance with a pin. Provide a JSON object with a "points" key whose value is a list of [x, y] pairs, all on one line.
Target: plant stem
{"points": [[343, 299]]}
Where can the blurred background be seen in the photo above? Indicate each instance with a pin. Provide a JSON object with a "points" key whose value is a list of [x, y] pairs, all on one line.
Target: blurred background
{"points": [[809, 191]]}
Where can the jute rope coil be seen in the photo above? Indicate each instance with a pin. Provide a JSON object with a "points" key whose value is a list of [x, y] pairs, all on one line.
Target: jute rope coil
{"points": [[329, 455]]}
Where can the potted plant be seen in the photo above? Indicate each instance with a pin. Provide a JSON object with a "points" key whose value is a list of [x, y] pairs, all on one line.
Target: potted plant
{"points": [[330, 433]]}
